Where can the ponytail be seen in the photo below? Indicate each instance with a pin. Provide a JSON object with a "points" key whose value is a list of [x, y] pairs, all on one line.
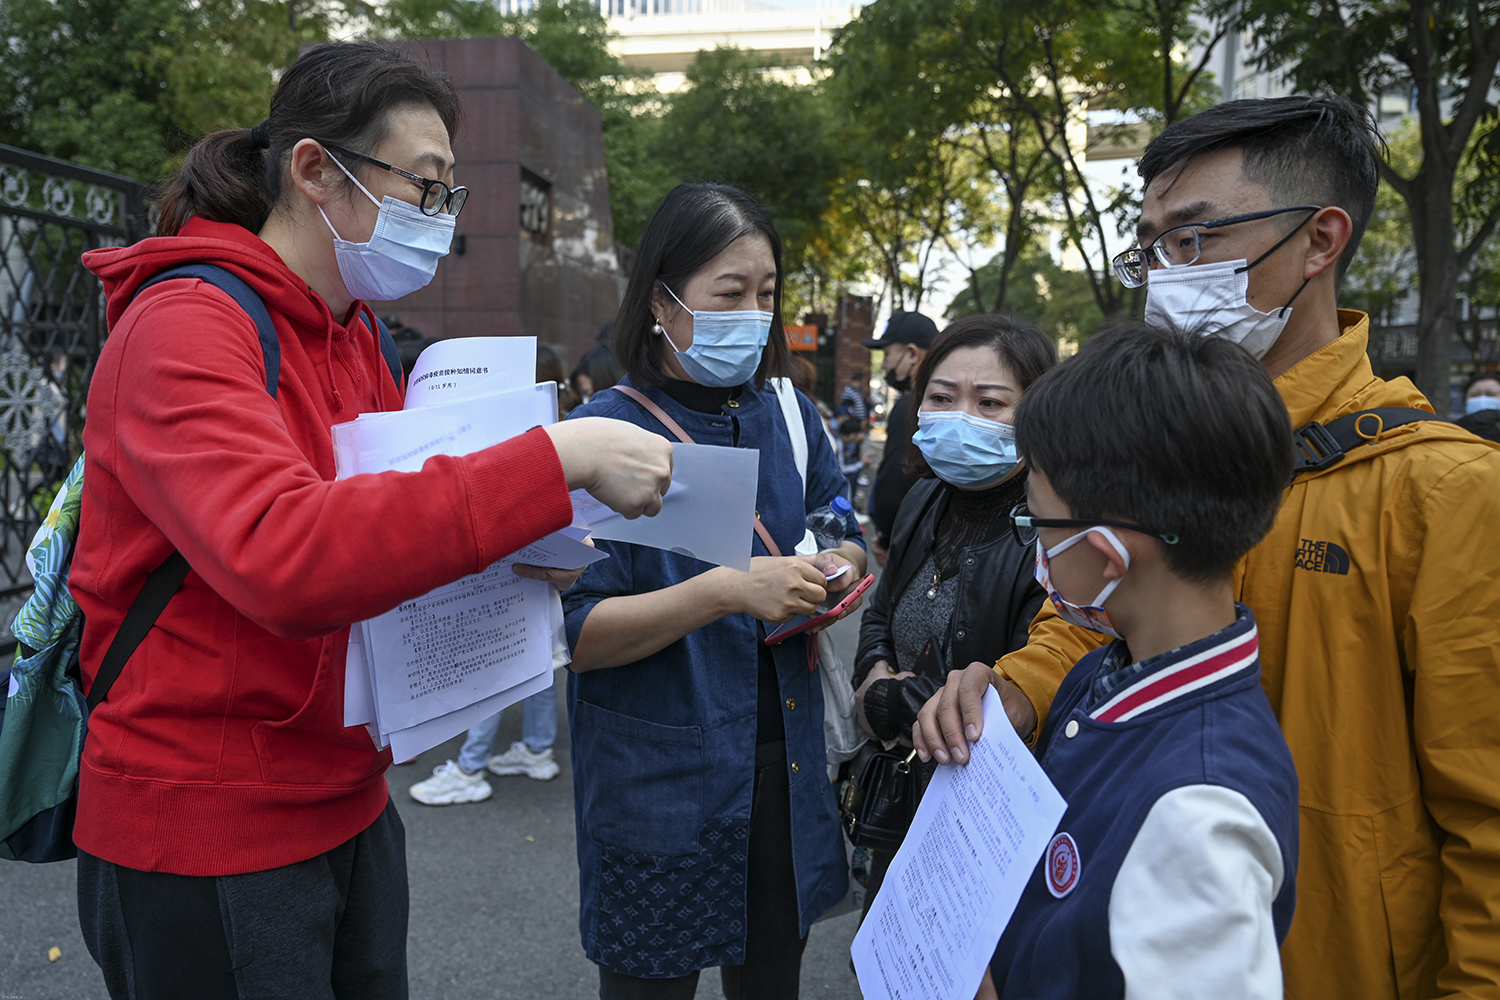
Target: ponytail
{"points": [[223, 180], [340, 92]]}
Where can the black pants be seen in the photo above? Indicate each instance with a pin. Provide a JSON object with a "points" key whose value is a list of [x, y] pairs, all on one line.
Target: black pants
{"points": [[773, 935], [332, 927]]}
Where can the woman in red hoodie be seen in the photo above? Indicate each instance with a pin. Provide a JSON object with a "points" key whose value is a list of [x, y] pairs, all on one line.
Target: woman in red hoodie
{"points": [[235, 839]]}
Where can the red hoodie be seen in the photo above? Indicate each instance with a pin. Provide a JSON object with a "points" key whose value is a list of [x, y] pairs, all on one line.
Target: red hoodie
{"points": [[221, 749]]}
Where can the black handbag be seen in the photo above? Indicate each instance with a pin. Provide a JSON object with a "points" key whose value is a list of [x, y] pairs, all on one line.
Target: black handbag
{"points": [[879, 800]]}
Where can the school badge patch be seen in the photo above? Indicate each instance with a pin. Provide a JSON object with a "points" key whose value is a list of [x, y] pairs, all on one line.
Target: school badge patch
{"points": [[1063, 865]]}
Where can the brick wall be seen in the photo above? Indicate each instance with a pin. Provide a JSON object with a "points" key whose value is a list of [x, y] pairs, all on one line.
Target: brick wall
{"points": [[524, 122], [851, 359]]}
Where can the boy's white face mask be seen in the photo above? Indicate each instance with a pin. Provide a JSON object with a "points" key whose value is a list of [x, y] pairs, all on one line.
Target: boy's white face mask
{"points": [[1090, 616]]}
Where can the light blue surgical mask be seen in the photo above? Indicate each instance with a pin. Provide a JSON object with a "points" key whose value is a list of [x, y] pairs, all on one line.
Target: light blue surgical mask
{"points": [[965, 450], [1478, 403], [400, 256], [726, 346]]}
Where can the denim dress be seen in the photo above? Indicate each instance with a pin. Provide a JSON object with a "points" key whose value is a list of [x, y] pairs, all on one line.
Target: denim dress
{"points": [[663, 749]]}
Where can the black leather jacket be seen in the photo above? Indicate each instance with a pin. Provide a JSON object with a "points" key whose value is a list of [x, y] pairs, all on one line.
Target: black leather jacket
{"points": [[998, 596]]}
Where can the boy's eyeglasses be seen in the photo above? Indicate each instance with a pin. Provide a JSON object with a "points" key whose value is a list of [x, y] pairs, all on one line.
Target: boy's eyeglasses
{"points": [[437, 197], [1024, 526], [1183, 245]]}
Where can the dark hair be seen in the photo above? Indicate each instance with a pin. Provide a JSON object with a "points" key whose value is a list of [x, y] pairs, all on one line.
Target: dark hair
{"points": [[1183, 433], [1303, 150], [1478, 377], [804, 375], [549, 367], [851, 425], [1026, 351], [693, 224], [340, 92], [599, 366]]}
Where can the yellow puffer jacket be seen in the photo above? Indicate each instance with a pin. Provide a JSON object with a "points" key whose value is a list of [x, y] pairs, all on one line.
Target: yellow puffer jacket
{"points": [[1377, 596]]}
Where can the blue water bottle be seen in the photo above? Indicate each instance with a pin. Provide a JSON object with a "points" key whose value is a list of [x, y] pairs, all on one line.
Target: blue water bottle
{"points": [[830, 524]]}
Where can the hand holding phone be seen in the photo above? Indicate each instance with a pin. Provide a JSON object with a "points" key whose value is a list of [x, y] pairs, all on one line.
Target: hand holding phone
{"points": [[801, 623]]}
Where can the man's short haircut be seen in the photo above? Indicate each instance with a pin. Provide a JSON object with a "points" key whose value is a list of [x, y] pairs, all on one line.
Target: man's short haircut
{"points": [[1180, 432], [1303, 150]]}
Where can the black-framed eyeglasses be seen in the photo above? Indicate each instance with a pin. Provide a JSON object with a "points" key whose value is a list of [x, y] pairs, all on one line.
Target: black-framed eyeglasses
{"points": [[1023, 526], [1183, 245], [437, 197]]}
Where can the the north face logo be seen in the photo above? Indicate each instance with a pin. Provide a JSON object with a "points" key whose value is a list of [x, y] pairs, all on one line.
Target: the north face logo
{"points": [[1322, 557]]}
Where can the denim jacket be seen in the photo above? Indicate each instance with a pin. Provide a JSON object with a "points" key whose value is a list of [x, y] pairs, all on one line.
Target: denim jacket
{"points": [[664, 749]]}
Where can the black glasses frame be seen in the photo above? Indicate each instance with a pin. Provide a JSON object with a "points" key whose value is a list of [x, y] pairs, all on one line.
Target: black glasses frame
{"points": [[1132, 266], [451, 196], [1023, 526]]}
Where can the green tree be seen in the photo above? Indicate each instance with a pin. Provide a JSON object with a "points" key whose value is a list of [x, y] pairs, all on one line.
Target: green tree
{"points": [[1446, 52], [1013, 83], [128, 85], [739, 121], [1056, 299]]}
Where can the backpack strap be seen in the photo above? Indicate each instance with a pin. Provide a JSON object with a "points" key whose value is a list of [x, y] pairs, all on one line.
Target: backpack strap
{"points": [[147, 607], [1322, 445], [387, 347], [236, 288], [166, 578], [682, 435]]}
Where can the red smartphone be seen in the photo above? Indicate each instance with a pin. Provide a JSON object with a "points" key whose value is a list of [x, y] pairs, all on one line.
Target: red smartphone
{"points": [[802, 623]]}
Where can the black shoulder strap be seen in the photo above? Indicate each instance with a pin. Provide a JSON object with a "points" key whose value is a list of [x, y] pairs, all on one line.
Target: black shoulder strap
{"points": [[148, 606], [1322, 445], [245, 296], [166, 578]]}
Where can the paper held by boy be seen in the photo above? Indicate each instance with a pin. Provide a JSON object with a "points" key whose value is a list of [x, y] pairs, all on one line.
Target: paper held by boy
{"points": [[436, 665], [952, 887]]}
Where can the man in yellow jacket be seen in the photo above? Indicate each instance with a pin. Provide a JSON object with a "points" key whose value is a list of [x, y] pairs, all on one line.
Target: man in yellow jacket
{"points": [[1377, 592]]}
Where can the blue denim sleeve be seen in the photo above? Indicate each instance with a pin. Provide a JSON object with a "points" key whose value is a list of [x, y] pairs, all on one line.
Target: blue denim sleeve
{"points": [[824, 480], [610, 577]]}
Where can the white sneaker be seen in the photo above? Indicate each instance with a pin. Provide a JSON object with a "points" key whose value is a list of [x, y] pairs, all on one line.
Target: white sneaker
{"points": [[449, 786], [520, 760]]}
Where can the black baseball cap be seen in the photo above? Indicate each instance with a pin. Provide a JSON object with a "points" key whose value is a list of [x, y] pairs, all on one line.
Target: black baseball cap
{"points": [[905, 328]]}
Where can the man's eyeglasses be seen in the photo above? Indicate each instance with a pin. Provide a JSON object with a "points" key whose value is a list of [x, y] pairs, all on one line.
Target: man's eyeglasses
{"points": [[437, 197], [1183, 245], [1024, 526]]}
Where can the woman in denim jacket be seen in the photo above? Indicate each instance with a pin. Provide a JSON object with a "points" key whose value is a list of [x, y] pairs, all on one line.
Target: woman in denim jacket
{"points": [[708, 833]]}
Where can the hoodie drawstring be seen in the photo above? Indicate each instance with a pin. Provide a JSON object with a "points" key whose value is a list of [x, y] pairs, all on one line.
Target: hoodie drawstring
{"points": [[338, 398]]}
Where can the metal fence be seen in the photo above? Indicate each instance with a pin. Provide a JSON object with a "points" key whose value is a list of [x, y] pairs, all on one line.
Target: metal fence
{"points": [[51, 327]]}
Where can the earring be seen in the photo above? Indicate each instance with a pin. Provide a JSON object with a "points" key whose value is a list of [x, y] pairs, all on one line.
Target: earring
{"points": [[658, 329]]}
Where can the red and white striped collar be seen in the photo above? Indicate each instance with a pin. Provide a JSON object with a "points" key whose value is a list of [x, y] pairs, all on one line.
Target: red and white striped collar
{"points": [[1177, 674]]}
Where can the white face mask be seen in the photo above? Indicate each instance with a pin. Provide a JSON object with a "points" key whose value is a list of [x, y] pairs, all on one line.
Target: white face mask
{"points": [[1209, 299], [402, 253], [1089, 616]]}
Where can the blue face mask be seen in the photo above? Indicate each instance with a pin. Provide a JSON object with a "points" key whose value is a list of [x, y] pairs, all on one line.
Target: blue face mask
{"points": [[726, 346], [401, 255], [965, 450], [1481, 403]]}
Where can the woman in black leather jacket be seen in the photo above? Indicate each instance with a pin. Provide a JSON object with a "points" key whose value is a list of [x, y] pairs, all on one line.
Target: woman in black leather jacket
{"points": [[957, 588]]}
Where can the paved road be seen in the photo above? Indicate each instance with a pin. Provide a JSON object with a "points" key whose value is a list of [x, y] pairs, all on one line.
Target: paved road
{"points": [[494, 899]]}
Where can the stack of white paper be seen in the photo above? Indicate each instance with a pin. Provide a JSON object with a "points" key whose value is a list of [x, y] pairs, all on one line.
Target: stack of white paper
{"points": [[438, 664], [959, 874], [441, 663]]}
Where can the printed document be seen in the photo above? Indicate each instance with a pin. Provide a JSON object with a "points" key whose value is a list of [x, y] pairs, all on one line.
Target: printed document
{"points": [[426, 670], [952, 887]]}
